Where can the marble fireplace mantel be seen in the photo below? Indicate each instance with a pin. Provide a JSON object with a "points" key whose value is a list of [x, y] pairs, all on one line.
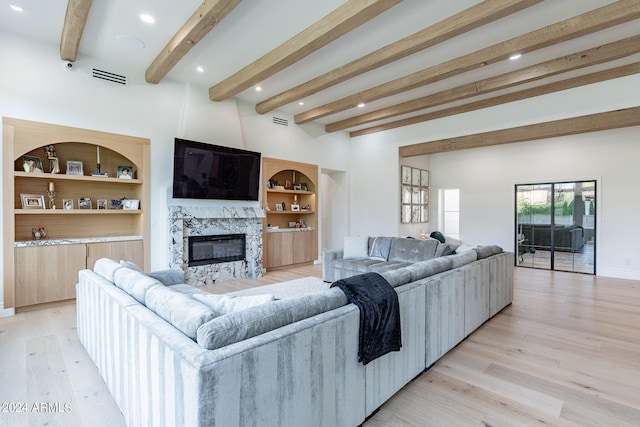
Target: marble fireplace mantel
{"points": [[185, 221]]}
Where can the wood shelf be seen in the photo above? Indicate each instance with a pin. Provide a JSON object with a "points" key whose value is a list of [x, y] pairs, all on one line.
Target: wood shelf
{"points": [[25, 266], [78, 211], [281, 249], [88, 178], [271, 190], [290, 212]]}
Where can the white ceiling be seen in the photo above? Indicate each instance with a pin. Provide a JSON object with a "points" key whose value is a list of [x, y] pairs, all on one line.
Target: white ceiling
{"points": [[257, 26]]}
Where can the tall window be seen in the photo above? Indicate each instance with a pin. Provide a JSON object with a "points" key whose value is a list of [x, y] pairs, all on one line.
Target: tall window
{"points": [[450, 202]]}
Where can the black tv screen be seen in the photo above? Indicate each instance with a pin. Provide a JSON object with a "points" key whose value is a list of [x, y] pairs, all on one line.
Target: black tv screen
{"points": [[207, 171]]}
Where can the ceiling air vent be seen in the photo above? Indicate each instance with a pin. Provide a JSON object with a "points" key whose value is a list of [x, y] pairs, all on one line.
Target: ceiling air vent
{"points": [[108, 76], [279, 121]]}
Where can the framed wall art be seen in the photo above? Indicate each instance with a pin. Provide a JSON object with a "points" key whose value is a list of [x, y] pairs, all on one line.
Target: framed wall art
{"points": [[414, 194]]}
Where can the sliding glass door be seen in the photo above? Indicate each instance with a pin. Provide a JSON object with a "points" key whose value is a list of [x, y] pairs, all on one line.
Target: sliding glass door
{"points": [[555, 226]]}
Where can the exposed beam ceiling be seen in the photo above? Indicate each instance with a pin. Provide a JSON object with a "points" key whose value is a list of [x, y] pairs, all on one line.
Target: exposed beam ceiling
{"points": [[339, 22], [583, 124], [613, 73], [409, 61], [589, 22], [460, 23], [207, 16], [564, 64], [74, 22]]}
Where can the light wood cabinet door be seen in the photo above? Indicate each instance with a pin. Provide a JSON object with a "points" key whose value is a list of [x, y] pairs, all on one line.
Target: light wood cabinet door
{"points": [[47, 273], [280, 249], [129, 250], [305, 246]]}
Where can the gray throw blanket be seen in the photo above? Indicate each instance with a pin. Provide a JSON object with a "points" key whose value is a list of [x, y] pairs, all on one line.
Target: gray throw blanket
{"points": [[379, 314]]}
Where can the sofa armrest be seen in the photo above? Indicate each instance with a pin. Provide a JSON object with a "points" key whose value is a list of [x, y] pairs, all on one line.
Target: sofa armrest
{"points": [[329, 255]]}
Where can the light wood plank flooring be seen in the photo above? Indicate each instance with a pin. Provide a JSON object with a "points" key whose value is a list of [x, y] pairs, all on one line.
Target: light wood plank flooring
{"points": [[565, 353]]}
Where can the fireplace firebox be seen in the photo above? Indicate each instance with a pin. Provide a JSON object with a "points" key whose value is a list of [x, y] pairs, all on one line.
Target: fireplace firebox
{"points": [[216, 249]]}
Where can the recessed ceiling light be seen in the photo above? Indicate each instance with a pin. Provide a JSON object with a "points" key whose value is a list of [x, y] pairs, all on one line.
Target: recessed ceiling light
{"points": [[258, 89], [361, 105], [16, 8], [200, 69], [301, 103], [147, 18], [515, 56]]}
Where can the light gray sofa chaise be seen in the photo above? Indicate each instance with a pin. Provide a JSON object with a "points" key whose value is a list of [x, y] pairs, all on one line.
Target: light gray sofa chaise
{"points": [[290, 362]]}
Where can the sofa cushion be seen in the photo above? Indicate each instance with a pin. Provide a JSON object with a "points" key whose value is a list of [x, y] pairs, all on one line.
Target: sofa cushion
{"points": [[381, 267], [423, 269], [356, 247], [460, 259], [241, 325], [445, 249], [355, 264], [106, 268], [487, 251], [223, 304], [380, 248], [168, 277], [131, 265], [412, 250], [397, 277], [134, 283], [182, 311]]}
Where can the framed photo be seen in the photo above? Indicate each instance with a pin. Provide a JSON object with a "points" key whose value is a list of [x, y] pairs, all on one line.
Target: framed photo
{"points": [[125, 172], [115, 204], [67, 204], [102, 204], [32, 164], [279, 207], [295, 208], [32, 201], [39, 233], [84, 203], [130, 204], [74, 168]]}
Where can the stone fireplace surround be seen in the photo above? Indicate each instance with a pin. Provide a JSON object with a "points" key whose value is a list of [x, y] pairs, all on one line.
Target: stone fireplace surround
{"points": [[185, 221]]}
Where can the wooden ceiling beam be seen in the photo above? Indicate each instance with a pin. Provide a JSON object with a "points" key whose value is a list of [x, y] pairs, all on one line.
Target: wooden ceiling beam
{"points": [[203, 20], [476, 16], [595, 20], [345, 18], [586, 58], [613, 73], [576, 125], [74, 21]]}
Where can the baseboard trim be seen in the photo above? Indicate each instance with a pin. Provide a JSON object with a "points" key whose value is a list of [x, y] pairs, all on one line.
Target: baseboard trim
{"points": [[6, 312]]}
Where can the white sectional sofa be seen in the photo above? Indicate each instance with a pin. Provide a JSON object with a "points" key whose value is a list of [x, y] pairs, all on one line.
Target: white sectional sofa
{"points": [[288, 362]]}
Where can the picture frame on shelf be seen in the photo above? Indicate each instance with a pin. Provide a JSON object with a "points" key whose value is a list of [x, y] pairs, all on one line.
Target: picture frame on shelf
{"points": [[32, 201], [32, 164], [38, 233], [102, 204], [74, 167], [84, 203], [67, 204], [130, 204], [279, 207], [125, 172], [295, 208], [115, 204]]}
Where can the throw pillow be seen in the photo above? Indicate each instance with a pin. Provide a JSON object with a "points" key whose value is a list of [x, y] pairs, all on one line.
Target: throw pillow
{"points": [[356, 247], [380, 248], [439, 236], [223, 304]]}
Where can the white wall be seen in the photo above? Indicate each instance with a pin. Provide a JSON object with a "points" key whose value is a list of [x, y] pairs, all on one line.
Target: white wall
{"points": [[486, 176], [34, 85]]}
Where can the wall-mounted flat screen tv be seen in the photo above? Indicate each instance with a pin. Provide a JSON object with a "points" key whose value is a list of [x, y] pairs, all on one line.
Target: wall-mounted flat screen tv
{"points": [[207, 171]]}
